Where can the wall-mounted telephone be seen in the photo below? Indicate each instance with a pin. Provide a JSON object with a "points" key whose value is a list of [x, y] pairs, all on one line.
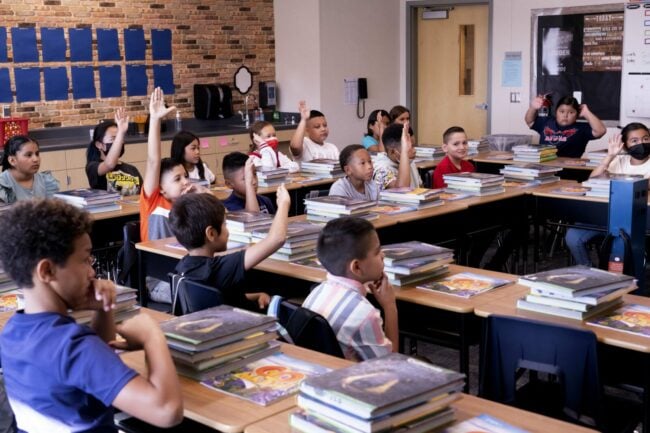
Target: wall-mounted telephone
{"points": [[362, 95]]}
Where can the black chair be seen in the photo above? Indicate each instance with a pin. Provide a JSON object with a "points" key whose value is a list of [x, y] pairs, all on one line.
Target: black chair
{"points": [[189, 296], [564, 377], [129, 424], [127, 256]]}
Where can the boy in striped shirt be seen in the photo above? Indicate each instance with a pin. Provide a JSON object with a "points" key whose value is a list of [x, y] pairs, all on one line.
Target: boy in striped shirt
{"points": [[349, 250]]}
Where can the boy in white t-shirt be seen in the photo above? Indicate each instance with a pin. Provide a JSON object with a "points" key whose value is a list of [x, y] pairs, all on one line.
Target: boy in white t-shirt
{"points": [[308, 142]]}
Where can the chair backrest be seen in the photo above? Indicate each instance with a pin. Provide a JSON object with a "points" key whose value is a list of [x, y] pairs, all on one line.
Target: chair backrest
{"points": [[314, 193], [427, 182], [189, 296], [568, 353], [127, 256]]}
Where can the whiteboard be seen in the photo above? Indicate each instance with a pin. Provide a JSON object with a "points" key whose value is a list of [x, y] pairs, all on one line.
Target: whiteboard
{"points": [[635, 80]]}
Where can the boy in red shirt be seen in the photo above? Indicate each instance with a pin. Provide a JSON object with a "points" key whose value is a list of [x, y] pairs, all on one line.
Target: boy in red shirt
{"points": [[454, 144]]}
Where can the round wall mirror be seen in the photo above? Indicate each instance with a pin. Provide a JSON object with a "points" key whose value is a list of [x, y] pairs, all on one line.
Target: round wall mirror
{"points": [[243, 79]]}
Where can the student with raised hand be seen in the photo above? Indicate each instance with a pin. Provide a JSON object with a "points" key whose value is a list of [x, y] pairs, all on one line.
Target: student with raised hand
{"points": [[395, 168], [378, 120], [198, 222], [103, 166], [61, 376], [186, 150], [20, 178], [264, 148], [308, 141], [357, 183], [562, 130], [240, 175]]}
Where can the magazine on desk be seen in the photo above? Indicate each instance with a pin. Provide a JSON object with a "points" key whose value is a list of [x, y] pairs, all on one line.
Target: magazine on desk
{"points": [[631, 318], [465, 284], [265, 381], [483, 424]]}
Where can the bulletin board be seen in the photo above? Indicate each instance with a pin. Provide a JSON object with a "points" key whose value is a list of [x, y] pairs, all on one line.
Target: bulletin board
{"points": [[579, 49]]}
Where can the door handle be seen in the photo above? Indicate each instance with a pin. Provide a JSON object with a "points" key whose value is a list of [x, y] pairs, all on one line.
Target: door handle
{"points": [[481, 106]]}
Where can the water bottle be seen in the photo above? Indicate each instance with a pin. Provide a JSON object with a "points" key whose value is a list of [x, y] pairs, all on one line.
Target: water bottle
{"points": [[179, 121]]}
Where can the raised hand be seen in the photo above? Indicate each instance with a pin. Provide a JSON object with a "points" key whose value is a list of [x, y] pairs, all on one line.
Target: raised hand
{"points": [[406, 137], [584, 110], [615, 145], [122, 120], [157, 109], [537, 102], [282, 196], [304, 110]]}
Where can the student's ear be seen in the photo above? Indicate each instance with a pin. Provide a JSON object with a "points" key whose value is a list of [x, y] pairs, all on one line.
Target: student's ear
{"points": [[210, 233], [354, 267], [12, 160], [228, 183], [45, 270], [347, 170], [444, 147]]}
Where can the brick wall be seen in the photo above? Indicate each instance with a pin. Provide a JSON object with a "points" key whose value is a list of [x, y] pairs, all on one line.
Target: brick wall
{"points": [[210, 40]]}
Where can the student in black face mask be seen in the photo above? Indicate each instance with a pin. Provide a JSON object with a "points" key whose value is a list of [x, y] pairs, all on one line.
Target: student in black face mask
{"points": [[627, 153]]}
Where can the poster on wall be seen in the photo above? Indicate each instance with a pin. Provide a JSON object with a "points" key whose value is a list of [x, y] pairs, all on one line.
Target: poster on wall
{"points": [[5, 86], [28, 84], [136, 80], [3, 44], [81, 40], [23, 43], [83, 82], [53, 44], [110, 81], [134, 44], [163, 77], [56, 83]]}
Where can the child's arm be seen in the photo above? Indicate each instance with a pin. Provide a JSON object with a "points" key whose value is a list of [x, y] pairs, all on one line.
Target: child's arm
{"points": [[102, 300], [296, 143], [383, 292], [404, 171], [277, 234], [287, 163], [263, 299], [252, 204], [598, 128], [113, 155], [379, 147], [157, 111], [531, 113], [614, 147], [156, 399]]}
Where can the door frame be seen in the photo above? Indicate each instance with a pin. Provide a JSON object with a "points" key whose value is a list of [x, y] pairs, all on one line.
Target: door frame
{"points": [[412, 7]]}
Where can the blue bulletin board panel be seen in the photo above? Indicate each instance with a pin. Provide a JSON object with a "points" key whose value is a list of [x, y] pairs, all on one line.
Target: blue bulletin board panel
{"points": [[136, 80], [163, 77], [110, 81], [81, 42], [161, 44], [3, 45], [134, 44], [56, 83], [23, 42], [108, 47], [28, 84], [83, 82], [5, 86], [53, 44]]}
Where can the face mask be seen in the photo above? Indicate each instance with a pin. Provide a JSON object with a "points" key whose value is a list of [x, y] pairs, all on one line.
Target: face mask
{"points": [[272, 142], [639, 151]]}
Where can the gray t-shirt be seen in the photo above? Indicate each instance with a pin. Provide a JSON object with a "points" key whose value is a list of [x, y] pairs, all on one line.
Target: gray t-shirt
{"points": [[345, 188]]}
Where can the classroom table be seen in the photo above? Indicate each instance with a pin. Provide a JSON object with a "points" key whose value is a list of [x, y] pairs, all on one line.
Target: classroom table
{"points": [[507, 306], [468, 406], [572, 168]]}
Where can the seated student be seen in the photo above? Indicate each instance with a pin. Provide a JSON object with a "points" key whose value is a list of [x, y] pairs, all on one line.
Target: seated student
{"points": [[349, 249], [199, 224], [308, 141], [264, 148], [399, 114], [395, 168], [103, 166], [240, 175], [186, 150], [61, 376], [378, 120], [454, 144], [20, 178], [357, 183], [627, 153]]}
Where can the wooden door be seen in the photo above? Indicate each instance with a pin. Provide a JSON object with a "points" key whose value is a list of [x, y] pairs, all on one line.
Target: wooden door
{"points": [[445, 96]]}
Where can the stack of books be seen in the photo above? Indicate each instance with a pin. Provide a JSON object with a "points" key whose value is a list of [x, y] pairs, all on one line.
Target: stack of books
{"points": [[300, 243], [429, 152], [125, 307], [532, 173], [241, 224], [324, 168], [271, 176], [390, 393], [599, 185], [474, 183], [475, 147], [576, 292], [219, 340], [411, 262], [419, 198], [325, 208], [91, 200], [532, 153], [11, 297], [595, 157]]}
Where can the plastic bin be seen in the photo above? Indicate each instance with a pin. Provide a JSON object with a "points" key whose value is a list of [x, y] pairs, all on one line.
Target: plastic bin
{"points": [[505, 142], [11, 126]]}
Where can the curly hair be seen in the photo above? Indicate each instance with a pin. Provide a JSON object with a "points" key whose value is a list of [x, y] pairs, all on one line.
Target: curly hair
{"points": [[39, 229]]}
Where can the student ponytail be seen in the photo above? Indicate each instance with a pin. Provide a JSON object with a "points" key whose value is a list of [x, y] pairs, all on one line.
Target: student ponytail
{"points": [[12, 146]]}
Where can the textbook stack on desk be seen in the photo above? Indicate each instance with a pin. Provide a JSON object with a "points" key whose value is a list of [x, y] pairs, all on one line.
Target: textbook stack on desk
{"points": [[474, 147], [576, 292], [531, 153], [421, 198], [325, 168], [389, 393], [474, 183], [241, 224], [125, 307], [410, 262], [595, 157], [11, 297], [91, 200], [325, 208], [599, 185], [432, 152], [271, 176], [536, 174], [300, 243], [218, 340]]}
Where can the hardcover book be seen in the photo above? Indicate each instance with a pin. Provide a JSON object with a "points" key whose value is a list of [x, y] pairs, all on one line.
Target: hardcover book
{"points": [[483, 424], [576, 280], [246, 219], [566, 312], [267, 380], [571, 190], [632, 318], [295, 231], [387, 208], [383, 385], [337, 202], [465, 284], [400, 252]]}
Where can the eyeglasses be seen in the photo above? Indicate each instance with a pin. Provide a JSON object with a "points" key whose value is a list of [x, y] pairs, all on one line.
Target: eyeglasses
{"points": [[92, 260]]}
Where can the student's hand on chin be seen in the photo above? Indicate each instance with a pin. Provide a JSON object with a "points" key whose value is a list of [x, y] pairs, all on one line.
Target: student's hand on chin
{"points": [[99, 296]]}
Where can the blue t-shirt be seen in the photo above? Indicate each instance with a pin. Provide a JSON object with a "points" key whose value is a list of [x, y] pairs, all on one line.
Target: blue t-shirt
{"points": [[234, 203], [60, 376], [368, 141], [570, 140]]}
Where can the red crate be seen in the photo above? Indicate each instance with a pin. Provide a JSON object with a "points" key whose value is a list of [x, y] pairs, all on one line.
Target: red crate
{"points": [[10, 126]]}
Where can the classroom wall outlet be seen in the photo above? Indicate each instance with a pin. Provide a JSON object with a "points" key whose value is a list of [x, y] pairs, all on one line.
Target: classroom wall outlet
{"points": [[515, 97]]}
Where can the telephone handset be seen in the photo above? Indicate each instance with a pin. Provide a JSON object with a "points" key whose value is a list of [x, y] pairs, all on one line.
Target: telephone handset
{"points": [[362, 95]]}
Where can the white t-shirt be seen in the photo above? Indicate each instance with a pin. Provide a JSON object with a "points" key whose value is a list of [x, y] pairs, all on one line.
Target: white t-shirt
{"points": [[621, 165], [194, 173], [312, 150]]}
